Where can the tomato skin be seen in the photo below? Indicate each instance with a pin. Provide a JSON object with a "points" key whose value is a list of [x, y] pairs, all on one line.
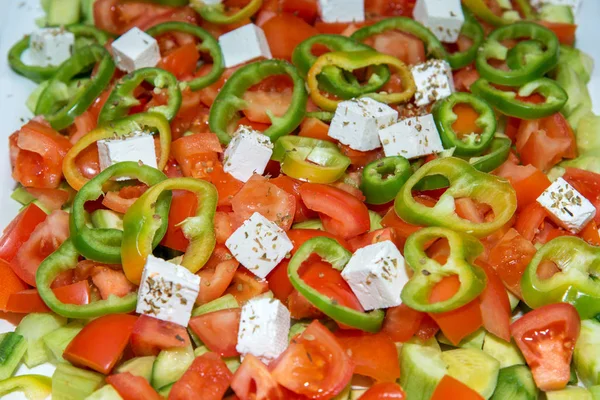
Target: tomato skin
{"points": [[151, 335], [402, 322], [384, 391], [464, 78], [588, 184], [245, 285], [279, 282], [284, 32], [214, 281], [450, 388], [403, 46], [97, 350], [495, 306], [11, 283], [208, 378], [132, 387], [389, 8], [253, 381], [316, 129], [546, 336], [25, 302], [218, 330], [183, 205], [564, 32], [19, 231], [305, 9], [292, 186], [75, 293], [182, 61], [376, 236], [373, 355]]}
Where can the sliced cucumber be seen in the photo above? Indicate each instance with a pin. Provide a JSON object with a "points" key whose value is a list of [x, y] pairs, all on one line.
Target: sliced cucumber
{"points": [[87, 11], [473, 341], [422, 368], [515, 383], [165, 390], [139, 366], [12, 349], [106, 392], [570, 393], [107, 219], [63, 12], [297, 329], [514, 300], [222, 303], [375, 221], [557, 13], [506, 353], [33, 328], [474, 368], [57, 341], [71, 383], [170, 365], [310, 224], [587, 353]]}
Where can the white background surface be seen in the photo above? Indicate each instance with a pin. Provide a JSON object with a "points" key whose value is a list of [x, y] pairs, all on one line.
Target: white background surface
{"points": [[17, 19]]}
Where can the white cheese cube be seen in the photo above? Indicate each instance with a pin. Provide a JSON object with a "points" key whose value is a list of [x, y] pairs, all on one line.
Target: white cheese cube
{"points": [[433, 80], [50, 46], [135, 49], [443, 17], [137, 148], [248, 152], [264, 329], [376, 274], [356, 123], [574, 4], [259, 245], [244, 44], [167, 291], [342, 10], [411, 138], [567, 206]]}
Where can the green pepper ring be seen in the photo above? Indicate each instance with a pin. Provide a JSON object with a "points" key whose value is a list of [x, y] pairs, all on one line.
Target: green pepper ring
{"points": [[383, 178], [473, 30], [216, 15]]}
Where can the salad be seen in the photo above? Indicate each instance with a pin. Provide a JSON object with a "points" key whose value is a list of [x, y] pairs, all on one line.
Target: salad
{"points": [[304, 199]]}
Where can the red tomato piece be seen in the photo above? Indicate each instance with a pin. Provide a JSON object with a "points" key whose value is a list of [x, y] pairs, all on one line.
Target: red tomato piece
{"points": [[564, 32], [389, 8], [402, 322], [253, 381], [183, 205], [75, 293], [245, 285], [428, 328], [52, 199], [464, 78], [11, 283], [26, 302], [151, 335], [111, 282], [132, 387], [19, 231], [218, 330], [316, 129], [279, 282], [403, 46], [305, 9], [588, 184], [285, 31], [214, 281], [384, 391], [450, 388], [181, 61], [208, 378], [376, 236], [495, 306], [373, 355], [292, 186]]}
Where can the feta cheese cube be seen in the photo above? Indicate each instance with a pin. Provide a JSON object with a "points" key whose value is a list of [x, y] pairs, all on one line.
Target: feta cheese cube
{"points": [[356, 123], [244, 44], [138, 148], [259, 245], [167, 291], [376, 274], [433, 80], [50, 46], [567, 206], [342, 10], [248, 152], [135, 49], [411, 138], [264, 329], [443, 17], [574, 4]]}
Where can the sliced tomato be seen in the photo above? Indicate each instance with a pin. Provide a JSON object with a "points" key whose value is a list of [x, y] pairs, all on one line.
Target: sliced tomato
{"points": [[403, 229], [464, 78], [301, 308], [218, 330], [11, 284], [100, 344], [588, 184], [51, 199], [376, 236], [341, 213], [253, 381], [181, 61], [262, 103], [25, 302], [208, 378], [401, 45], [389, 8], [111, 282], [360, 158], [183, 205], [151, 335], [564, 32], [76, 293], [227, 186], [19, 231], [292, 186], [285, 31], [402, 322], [273, 203], [132, 387], [384, 391], [495, 305], [450, 388], [305, 9], [373, 355], [215, 281], [546, 337], [246, 285], [314, 364], [279, 282], [299, 236], [316, 129], [428, 328], [197, 154], [42, 242]]}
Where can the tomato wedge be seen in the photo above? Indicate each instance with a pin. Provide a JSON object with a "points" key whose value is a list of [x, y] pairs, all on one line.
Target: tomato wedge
{"points": [[402, 322], [132, 387], [450, 388], [151, 335], [208, 378], [495, 306], [384, 391], [19, 231], [253, 381], [218, 330]]}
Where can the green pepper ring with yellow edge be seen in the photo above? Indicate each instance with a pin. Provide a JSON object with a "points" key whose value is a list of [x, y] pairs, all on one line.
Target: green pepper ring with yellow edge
{"points": [[216, 13]]}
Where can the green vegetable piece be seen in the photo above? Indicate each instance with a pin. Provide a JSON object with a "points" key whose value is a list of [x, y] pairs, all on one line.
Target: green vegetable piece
{"points": [[72, 383], [12, 349], [474, 368], [508, 354], [170, 365], [515, 383], [422, 369], [33, 328], [587, 353], [139, 366], [106, 392], [63, 12], [570, 393], [57, 341]]}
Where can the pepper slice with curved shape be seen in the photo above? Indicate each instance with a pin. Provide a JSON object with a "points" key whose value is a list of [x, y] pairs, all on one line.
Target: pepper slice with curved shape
{"points": [[383, 178], [141, 224], [118, 129], [577, 264], [60, 115], [507, 103], [481, 10], [209, 44], [473, 30], [311, 160], [472, 144], [333, 79], [34, 387], [336, 255], [229, 100], [104, 245], [350, 61], [121, 98], [66, 258], [534, 66], [464, 181], [464, 249], [215, 13]]}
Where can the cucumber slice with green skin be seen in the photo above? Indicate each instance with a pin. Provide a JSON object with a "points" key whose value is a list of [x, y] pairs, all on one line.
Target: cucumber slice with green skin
{"points": [[33, 328], [515, 383], [587, 353], [12, 349], [170, 365], [87, 11], [472, 341], [222, 303], [106, 219], [422, 369], [72, 383], [375, 221], [57, 341], [165, 390], [310, 224], [507, 354], [475, 368], [557, 13], [22, 196], [139, 366], [570, 393], [63, 12], [106, 392]]}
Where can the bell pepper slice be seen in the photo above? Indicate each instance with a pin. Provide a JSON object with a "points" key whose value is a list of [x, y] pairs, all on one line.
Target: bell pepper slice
{"points": [[507, 102], [473, 30], [482, 11], [464, 181], [336, 255], [574, 282], [383, 178], [209, 44], [215, 13], [310, 159], [34, 387], [65, 258], [121, 99], [229, 100], [61, 115], [350, 61], [536, 65], [121, 128], [141, 224], [471, 144], [83, 31], [104, 245], [428, 272], [333, 79]]}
